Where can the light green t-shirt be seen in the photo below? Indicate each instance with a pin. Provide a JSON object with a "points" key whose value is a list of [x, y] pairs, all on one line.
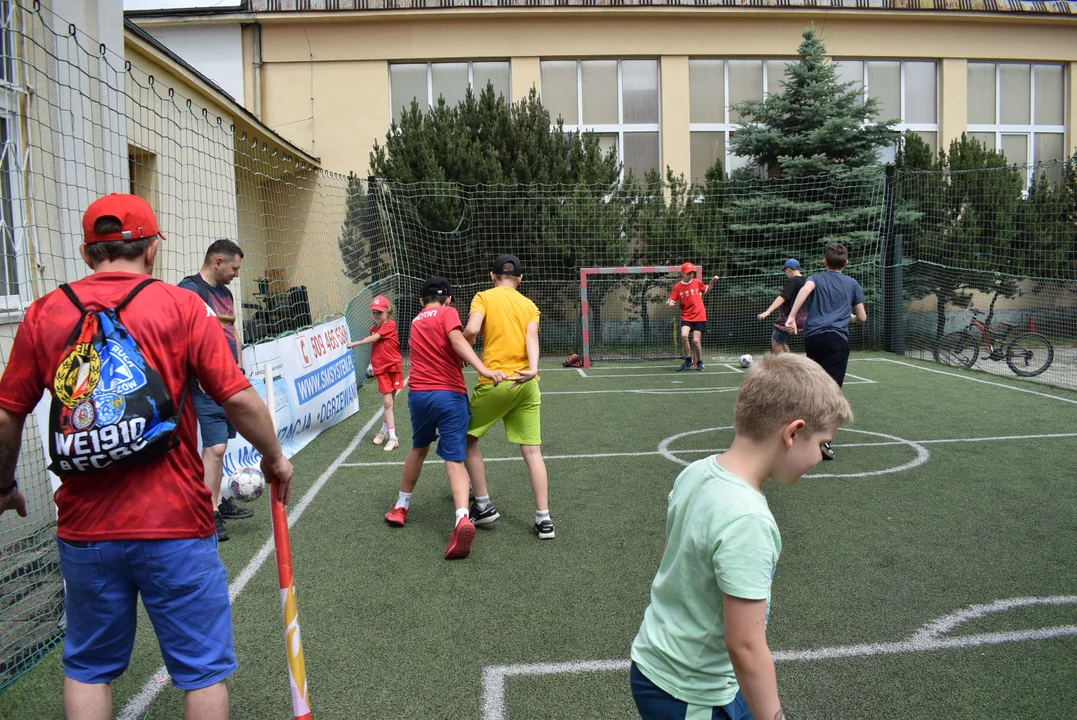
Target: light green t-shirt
{"points": [[721, 538]]}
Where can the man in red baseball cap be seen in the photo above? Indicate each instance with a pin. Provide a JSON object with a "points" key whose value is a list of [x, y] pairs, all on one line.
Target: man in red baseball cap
{"points": [[131, 525], [689, 294]]}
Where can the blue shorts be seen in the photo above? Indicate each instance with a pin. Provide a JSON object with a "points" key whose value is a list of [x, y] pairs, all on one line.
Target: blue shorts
{"points": [[185, 590], [780, 336], [440, 410], [654, 703], [212, 422]]}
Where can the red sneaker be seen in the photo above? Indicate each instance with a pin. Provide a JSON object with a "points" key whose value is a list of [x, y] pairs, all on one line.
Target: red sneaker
{"points": [[396, 516], [460, 540]]}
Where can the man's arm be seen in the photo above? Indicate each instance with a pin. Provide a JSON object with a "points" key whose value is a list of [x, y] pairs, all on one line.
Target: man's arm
{"points": [[746, 639], [250, 416], [859, 314], [463, 349], [474, 326], [802, 297], [11, 425]]}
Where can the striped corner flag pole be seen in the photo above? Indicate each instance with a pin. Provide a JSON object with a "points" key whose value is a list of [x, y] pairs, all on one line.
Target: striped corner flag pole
{"points": [[293, 642]]}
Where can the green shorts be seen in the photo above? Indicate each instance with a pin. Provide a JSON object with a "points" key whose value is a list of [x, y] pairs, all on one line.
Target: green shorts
{"points": [[517, 405]]}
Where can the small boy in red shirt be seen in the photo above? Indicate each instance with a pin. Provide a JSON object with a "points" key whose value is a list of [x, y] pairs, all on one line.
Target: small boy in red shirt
{"points": [[387, 363], [438, 404], [689, 293]]}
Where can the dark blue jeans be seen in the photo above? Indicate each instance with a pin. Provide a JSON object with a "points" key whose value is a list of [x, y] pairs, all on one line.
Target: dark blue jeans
{"points": [[654, 703]]}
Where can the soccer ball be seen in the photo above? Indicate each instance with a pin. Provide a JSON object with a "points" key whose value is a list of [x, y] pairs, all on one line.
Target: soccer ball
{"points": [[247, 484], [745, 360], [370, 371]]}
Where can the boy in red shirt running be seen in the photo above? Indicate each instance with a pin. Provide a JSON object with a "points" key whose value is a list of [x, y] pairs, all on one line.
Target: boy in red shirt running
{"points": [[689, 293], [387, 363], [437, 401]]}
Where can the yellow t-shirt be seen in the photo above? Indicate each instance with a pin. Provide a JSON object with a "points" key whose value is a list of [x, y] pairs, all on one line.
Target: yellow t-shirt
{"points": [[506, 314]]}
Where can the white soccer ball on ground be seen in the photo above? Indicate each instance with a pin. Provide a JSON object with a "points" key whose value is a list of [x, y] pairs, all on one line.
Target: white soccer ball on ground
{"points": [[247, 484], [745, 360], [370, 370]]}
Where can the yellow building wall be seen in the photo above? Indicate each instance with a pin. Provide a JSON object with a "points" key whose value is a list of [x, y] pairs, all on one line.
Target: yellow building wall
{"points": [[350, 53]]}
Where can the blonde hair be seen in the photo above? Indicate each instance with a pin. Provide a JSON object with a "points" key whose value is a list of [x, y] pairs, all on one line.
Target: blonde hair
{"points": [[778, 389], [390, 309]]}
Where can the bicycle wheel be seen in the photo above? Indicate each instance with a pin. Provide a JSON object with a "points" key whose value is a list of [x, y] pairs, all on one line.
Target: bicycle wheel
{"points": [[959, 348], [1029, 354]]}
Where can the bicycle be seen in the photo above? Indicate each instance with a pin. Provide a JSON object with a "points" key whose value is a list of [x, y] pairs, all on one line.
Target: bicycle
{"points": [[1021, 350]]}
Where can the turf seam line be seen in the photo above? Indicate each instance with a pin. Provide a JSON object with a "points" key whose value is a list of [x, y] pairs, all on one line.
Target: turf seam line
{"points": [[137, 705], [966, 377]]}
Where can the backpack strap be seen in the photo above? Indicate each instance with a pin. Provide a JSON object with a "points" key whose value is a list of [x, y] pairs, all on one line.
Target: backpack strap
{"points": [[137, 289], [73, 297], [202, 285]]}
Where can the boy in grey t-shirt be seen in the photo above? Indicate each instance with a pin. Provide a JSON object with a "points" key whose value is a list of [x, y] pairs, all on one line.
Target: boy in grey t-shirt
{"points": [[838, 301]]}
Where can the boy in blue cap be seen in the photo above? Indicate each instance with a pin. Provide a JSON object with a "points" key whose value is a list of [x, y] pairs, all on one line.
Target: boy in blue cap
{"points": [[794, 281]]}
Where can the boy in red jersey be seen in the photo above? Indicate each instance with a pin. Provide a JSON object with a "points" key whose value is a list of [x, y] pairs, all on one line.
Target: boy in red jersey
{"points": [[437, 400], [387, 363], [689, 293]]}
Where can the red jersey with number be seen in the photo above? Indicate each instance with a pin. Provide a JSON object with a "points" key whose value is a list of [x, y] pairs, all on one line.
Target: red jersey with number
{"points": [[385, 353], [182, 339], [690, 296], [434, 363]]}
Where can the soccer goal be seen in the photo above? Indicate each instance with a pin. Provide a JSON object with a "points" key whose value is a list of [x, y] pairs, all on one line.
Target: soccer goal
{"points": [[624, 315]]}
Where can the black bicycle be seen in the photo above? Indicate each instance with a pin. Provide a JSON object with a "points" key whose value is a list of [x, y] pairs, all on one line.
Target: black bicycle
{"points": [[1027, 353]]}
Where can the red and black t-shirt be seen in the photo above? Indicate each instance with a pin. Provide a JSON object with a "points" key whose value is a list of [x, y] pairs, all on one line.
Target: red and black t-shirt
{"points": [[163, 498]]}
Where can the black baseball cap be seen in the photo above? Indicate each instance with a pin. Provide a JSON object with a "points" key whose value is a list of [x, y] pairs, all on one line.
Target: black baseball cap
{"points": [[436, 287], [507, 265]]}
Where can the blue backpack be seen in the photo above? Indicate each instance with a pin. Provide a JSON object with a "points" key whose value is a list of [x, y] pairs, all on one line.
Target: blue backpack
{"points": [[110, 407]]}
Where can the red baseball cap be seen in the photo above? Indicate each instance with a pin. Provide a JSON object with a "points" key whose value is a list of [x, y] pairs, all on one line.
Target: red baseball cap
{"points": [[135, 215], [688, 267], [379, 303]]}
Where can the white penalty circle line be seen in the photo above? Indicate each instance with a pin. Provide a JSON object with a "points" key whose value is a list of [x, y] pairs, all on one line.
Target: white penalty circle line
{"points": [[929, 637], [136, 707]]}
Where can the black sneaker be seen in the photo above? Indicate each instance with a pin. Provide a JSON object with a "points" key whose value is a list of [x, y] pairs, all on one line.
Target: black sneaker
{"points": [[685, 365], [230, 511], [222, 533], [544, 528], [483, 516], [699, 366], [828, 452]]}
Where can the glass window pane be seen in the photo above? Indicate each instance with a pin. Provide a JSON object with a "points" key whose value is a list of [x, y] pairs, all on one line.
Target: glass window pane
{"points": [[775, 75], [884, 83], [641, 153], [599, 92], [745, 83], [560, 90], [1015, 148], [608, 141], [9, 280], [887, 154], [706, 91], [981, 93], [496, 73], [1050, 148], [932, 140], [1016, 90], [736, 162], [407, 82], [639, 85], [1050, 94], [920, 93], [449, 80], [987, 138], [706, 148], [850, 71]]}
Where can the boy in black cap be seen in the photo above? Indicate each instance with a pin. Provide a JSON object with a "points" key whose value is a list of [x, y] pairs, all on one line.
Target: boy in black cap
{"points": [[509, 324]]}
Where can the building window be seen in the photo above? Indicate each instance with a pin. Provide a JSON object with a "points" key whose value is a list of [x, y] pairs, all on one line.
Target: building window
{"points": [[1019, 109], [426, 82], [142, 170], [14, 290], [616, 99], [907, 92]]}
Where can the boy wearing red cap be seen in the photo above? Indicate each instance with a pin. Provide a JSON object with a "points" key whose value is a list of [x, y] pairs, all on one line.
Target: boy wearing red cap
{"points": [[387, 363], [689, 294]]}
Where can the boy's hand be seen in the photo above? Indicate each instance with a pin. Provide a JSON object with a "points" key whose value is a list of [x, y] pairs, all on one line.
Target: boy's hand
{"points": [[670, 303], [791, 324], [523, 376], [351, 344], [762, 316], [715, 279], [496, 376]]}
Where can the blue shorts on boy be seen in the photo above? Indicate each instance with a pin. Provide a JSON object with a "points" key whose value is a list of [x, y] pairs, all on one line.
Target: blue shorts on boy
{"points": [[184, 589], [721, 538], [440, 415], [654, 703]]}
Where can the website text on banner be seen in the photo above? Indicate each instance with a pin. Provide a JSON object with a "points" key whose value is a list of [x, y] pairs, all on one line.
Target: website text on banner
{"points": [[314, 388]]}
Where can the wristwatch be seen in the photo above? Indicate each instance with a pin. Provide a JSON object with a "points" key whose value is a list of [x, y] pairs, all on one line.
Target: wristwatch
{"points": [[5, 491]]}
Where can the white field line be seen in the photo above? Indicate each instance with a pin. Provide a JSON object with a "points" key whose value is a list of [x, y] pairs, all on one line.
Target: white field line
{"points": [[708, 451], [581, 372], [927, 639], [136, 707], [965, 377], [664, 391], [857, 377], [666, 373], [733, 367]]}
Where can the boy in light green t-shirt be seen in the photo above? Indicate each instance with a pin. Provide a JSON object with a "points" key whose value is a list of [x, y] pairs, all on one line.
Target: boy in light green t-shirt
{"points": [[701, 651]]}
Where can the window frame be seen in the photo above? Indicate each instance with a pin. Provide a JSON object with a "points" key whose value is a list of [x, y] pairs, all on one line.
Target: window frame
{"points": [[620, 128], [11, 153], [431, 101]]}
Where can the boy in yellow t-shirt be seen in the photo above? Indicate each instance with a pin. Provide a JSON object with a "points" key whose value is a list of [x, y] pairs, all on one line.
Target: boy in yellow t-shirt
{"points": [[508, 322]]}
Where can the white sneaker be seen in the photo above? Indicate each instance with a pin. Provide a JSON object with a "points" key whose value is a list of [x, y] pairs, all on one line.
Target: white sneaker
{"points": [[379, 438], [392, 444]]}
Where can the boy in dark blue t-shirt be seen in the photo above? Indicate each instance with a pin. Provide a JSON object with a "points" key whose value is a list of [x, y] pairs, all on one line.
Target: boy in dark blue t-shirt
{"points": [[838, 301]]}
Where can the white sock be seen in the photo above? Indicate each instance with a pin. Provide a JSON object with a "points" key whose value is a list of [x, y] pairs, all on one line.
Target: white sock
{"points": [[404, 500], [384, 428], [461, 513], [392, 433], [482, 500], [541, 515]]}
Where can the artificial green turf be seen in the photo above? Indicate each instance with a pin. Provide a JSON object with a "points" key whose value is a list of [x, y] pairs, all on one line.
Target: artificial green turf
{"points": [[391, 630]]}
